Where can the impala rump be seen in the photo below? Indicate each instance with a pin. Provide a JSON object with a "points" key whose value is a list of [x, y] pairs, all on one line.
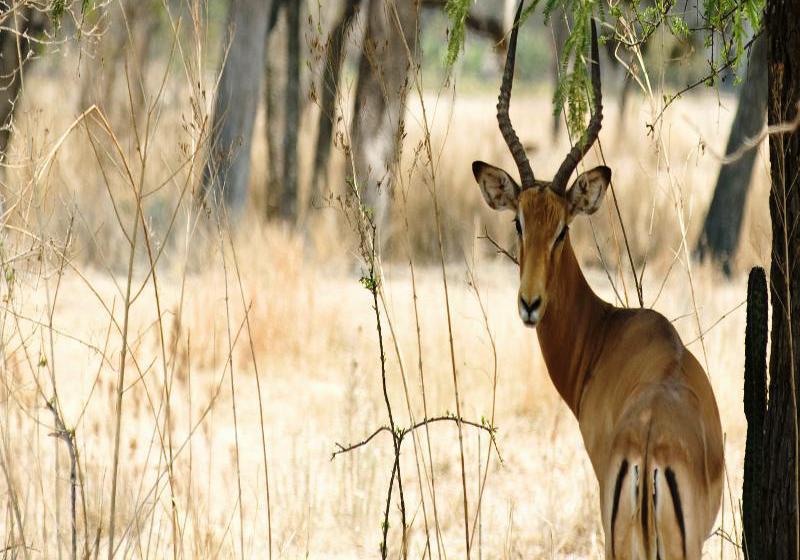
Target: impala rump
{"points": [[671, 503]]}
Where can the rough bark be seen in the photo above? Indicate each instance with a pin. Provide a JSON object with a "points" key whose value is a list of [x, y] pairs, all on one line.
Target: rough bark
{"points": [[227, 169], [755, 407], [723, 223], [380, 99], [780, 517]]}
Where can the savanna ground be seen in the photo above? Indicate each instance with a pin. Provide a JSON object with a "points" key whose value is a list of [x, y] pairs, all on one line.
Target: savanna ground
{"points": [[255, 346]]}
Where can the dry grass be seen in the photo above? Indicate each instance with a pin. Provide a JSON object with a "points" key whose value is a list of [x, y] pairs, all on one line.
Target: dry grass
{"points": [[316, 352], [303, 322]]}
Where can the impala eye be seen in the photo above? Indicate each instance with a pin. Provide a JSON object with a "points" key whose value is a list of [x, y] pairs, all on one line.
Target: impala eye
{"points": [[518, 226], [561, 235]]}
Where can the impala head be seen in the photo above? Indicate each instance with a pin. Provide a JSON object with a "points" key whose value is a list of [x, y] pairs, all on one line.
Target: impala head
{"points": [[543, 209]]}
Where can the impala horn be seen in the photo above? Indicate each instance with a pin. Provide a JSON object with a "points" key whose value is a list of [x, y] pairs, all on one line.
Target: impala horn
{"points": [[503, 100], [577, 152]]}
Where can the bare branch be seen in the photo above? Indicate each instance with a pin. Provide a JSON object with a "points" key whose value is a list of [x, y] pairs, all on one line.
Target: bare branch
{"points": [[499, 248], [713, 74], [403, 432], [752, 142]]}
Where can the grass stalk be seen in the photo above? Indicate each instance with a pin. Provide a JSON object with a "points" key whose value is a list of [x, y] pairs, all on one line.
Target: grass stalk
{"points": [[438, 221], [121, 378]]}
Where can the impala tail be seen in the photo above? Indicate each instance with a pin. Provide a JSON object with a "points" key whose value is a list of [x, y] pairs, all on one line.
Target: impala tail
{"points": [[650, 505]]}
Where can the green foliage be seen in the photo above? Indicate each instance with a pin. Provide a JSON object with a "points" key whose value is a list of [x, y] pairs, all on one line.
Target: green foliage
{"points": [[679, 28], [728, 23], [457, 11], [57, 11], [58, 7], [574, 84], [369, 282], [730, 19], [724, 26], [476, 67]]}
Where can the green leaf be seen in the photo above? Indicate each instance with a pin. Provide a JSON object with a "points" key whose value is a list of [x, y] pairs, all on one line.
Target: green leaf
{"points": [[457, 11], [725, 24], [57, 11]]}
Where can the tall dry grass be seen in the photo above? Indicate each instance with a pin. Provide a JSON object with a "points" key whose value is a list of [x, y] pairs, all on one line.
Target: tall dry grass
{"points": [[249, 352]]}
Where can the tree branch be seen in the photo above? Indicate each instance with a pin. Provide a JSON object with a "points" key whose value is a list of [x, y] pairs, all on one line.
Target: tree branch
{"points": [[499, 248], [713, 74], [403, 432]]}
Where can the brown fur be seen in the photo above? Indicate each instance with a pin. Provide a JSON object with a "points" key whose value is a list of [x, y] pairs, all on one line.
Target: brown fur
{"points": [[639, 395]]}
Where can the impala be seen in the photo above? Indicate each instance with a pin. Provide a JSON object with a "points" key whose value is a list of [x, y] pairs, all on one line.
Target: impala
{"points": [[645, 407]]}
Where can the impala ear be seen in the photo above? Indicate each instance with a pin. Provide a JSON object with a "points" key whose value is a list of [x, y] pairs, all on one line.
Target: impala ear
{"points": [[499, 190], [586, 193]]}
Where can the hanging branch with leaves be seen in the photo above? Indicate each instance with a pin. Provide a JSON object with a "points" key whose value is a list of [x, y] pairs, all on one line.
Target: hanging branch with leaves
{"points": [[726, 27]]}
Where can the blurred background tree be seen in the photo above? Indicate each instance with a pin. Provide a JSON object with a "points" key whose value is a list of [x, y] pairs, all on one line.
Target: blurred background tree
{"points": [[373, 51], [227, 169], [304, 48], [289, 58], [723, 223], [17, 36]]}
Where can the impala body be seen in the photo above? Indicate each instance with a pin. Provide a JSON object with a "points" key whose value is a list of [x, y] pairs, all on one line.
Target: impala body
{"points": [[645, 407]]}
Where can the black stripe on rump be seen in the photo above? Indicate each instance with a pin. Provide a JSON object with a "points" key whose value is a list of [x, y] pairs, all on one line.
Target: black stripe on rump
{"points": [[655, 507], [645, 512], [623, 470], [646, 490], [676, 503]]}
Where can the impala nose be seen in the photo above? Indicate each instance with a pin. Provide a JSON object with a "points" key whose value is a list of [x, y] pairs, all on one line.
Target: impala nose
{"points": [[529, 311]]}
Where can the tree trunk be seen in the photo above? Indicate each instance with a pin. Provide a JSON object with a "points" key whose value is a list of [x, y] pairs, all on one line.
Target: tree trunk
{"points": [[292, 116], [380, 99], [779, 506], [755, 407], [15, 53], [723, 224], [334, 53], [227, 168], [275, 72], [128, 40], [489, 25]]}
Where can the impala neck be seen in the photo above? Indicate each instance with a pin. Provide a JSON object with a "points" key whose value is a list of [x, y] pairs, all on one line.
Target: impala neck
{"points": [[570, 333]]}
